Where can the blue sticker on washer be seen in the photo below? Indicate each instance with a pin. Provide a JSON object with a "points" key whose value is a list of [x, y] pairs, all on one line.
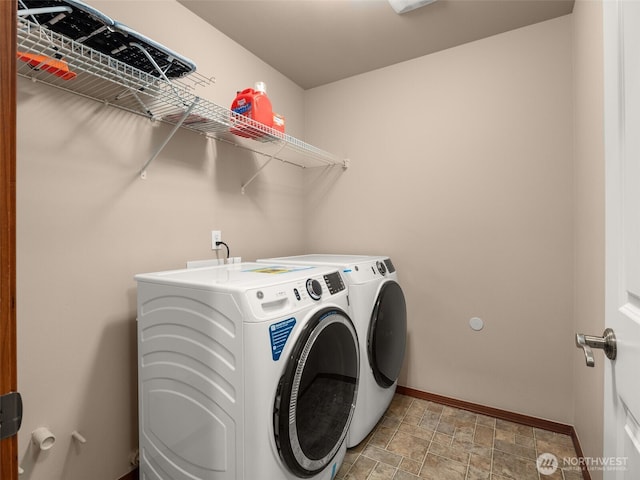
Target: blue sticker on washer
{"points": [[279, 334]]}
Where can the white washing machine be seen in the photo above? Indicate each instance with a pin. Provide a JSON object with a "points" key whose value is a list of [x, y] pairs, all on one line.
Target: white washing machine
{"points": [[378, 310], [246, 372]]}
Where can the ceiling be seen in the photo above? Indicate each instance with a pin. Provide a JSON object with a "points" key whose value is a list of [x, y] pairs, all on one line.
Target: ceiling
{"points": [[314, 42]]}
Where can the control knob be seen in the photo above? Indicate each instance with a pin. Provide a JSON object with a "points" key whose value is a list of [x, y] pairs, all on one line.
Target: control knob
{"points": [[314, 289], [381, 268]]}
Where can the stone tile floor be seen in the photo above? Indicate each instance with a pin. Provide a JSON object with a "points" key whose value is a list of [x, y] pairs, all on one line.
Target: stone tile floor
{"points": [[417, 439]]}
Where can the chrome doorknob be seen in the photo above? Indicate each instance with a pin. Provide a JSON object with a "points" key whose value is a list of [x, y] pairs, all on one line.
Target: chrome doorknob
{"points": [[607, 342]]}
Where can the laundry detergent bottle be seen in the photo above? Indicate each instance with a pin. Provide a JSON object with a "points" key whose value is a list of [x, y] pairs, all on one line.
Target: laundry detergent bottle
{"points": [[254, 104]]}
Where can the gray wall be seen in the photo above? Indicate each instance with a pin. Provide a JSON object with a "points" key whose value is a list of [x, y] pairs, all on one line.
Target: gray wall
{"points": [[87, 223], [588, 383], [463, 174]]}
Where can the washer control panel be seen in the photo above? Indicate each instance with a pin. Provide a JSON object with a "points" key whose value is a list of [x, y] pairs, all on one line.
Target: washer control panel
{"points": [[369, 271], [314, 289], [334, 282], [271, 299], [390, 267]]}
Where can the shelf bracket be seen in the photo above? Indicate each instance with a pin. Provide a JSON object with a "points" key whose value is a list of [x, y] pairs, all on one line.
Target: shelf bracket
{"points": [[271, 157], [143, 170], [132, 92], [157, 67]]}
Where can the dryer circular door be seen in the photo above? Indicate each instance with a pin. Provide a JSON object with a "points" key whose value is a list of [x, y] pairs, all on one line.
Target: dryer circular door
{"points": [[387, 338], [317, 393]]}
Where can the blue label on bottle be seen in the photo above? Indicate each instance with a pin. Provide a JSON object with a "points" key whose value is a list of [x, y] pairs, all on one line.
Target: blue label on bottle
{"points": [[243, 109], [279, 334]]}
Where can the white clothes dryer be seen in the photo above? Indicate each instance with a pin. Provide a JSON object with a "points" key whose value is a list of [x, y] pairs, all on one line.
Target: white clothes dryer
{"points": [[246, 371], [378, 309]]}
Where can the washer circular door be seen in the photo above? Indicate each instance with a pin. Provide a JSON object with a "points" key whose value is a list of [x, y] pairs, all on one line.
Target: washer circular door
{"points": [[387, 338], [317, 393]]}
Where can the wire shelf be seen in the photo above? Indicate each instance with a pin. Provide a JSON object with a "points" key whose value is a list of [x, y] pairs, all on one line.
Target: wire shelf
{"points": [[48, 57]]}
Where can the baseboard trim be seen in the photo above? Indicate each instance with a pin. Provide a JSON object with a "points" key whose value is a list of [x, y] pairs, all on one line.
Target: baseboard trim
{"points": [[132, 475], [576, 444], [502, 415], [489, 411]]}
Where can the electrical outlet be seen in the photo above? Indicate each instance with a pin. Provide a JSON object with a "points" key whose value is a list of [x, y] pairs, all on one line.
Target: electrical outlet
{"points": [[216, 236]]}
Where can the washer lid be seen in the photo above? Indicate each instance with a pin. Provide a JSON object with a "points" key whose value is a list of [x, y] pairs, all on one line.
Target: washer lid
{"points": [[324, 259], [236, 276]]}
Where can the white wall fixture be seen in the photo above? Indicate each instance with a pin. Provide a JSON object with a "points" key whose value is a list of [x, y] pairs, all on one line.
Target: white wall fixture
{"points": [[77, 437], [43, 438], [209, 262], [476, 323], [404, 6], [216, 238]]}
